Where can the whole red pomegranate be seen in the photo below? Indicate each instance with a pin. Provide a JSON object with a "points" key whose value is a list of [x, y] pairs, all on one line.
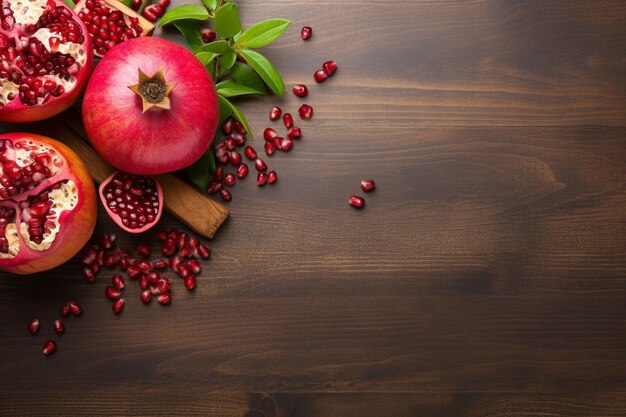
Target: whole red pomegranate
{"points": [[47, 203], [45, 59], [150, 107]]}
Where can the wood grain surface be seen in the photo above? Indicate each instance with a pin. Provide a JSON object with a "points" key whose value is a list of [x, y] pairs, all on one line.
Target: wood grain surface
{"points": [[485, 277]]}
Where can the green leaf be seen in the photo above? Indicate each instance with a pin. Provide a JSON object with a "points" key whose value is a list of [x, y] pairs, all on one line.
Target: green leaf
{"points": [[191, 32], [206, 57], [227, 22], [200, 172], [245, 75], [70, 3], [210, 4], [266, 70], [126, 3], [230, 88], [230, 108], [218, 47], [263, 33], [226, 62], [188, 11]]}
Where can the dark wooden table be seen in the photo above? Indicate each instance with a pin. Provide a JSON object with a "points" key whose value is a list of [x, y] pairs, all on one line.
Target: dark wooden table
{"points": [[486, 277]]}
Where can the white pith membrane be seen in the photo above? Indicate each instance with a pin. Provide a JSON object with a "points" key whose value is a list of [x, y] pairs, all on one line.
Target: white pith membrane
{"points": [[28, 12]]}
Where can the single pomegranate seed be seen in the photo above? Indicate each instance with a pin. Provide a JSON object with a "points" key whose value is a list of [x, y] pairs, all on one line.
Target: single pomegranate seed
{"points": [[163, 3], [149, 14], [275, 113], [165, 298], [288, 120], [368, 185], [229, 179], [329, 67], [235, 158], [190, 282], [75, 308], [250, 153], [194, 266], [320, 76], [152, 277], [59, 327], [163, 284], [294, 133], [144, 250], [208, 35], [269, 134], [214, 187], [143, 282], [118, 306], [112, 293], [270, 148], [260, 165], [49, 348], [118, 282], [286, 144], [242, 171], [305, 111], [162, 235], [218, 174], [306, 33], [174, 262], [261, 179], [145, 297], [160, 264], [356, 201], [228, 125], [239, 128], [300, 90], [272, 176], [226, 195], [89, 275], [64, 311], [33, 326], [204, 252]]}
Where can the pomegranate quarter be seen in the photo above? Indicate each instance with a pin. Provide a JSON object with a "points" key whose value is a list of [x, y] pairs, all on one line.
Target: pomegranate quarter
{"points": [[150, 107], [47, 203]]}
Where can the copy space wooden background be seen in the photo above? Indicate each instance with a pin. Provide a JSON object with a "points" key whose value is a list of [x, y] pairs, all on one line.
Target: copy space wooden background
{"points": [[486, 277]]}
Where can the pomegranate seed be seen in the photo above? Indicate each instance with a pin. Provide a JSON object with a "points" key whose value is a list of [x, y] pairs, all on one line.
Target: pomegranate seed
{"points": [[227, 126], [305, 111], [33, 326], [306, 33], [174, 262], [165, 298], [208, 35], [300, 90], [229, 179], [226, 195], [134, 271], [242, 171], [153, 277], [143, 282], [275, 113], [163, 284], [190, 282], [118, 282], [269, 134], [144, 250], [294, 133], [89, 275], [113, 293], [218, 174], [144, 265], [239, 128], [320, 76], [235, 158], [250, 153], [329, 67], [75, 308], [270, 148], [160, 264], [145, 297], [261, 179], [356, 201], [118, 306], [124, 264], [260, 165], [59, 327], [368, 185], [162, 235], [272, 176], [194, 266], [214, 187], [204, 252], [286, 144], [149, 15], [65, 310], [49, 348], [288, 120]]}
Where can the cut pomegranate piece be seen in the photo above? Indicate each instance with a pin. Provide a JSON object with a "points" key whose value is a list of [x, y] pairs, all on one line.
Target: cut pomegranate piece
{"points": [[134, 202], [45, 59], [110, 22]]}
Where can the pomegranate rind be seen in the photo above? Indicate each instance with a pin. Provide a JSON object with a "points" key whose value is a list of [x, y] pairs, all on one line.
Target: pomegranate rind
{"points": [[77, 225], [157, 141], [16, 112], [117, 218]]}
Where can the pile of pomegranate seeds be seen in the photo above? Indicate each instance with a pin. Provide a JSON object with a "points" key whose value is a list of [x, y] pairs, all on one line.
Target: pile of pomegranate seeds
{"points": [[58, 326]]}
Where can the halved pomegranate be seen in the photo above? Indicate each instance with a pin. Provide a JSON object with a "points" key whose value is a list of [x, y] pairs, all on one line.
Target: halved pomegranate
{"points": [[45, 59], [47, 203], [110, 22], [134, 202]]}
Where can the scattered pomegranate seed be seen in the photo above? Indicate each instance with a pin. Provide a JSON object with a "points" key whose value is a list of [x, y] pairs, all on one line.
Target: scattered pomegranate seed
{"points": [[145, 297], [275, 113], [261, 179], [160, 264], [64, 311], [269, 134], [118, 306], [204, 252], [75, 308], [226, 195], [294, 133], [165, 298], [49, 348], [190, 282], [118, 282], [288, 120], [300, 90], [250, 153], [112, 293], [272, 176], [329, 67], [270, 148], [356, 201], [208, 35], [218, 174], [320, 76], [33, 326], [286, 144], [239, 127], [143, 282], [89, 274], [368, 185], [305, 111], [242, 171], [260, 165], [306, 33], [228, 125], [59, 327], [235, 158], [162, 235], [144, 250], [194, 266], [229, 179], [214, 187]]}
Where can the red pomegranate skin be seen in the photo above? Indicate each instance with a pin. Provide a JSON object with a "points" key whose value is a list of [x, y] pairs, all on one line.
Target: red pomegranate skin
{"points": [[158, 140]]}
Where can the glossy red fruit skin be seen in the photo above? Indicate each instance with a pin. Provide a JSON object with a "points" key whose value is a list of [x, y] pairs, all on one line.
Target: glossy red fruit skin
{"points": [[77, 225], [163, 140], [15, 112], [306, 32], [329, 67]]}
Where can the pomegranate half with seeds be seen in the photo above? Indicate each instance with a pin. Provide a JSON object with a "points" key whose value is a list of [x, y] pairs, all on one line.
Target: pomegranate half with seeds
{"points": [[47, 203], [45, 59]]}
